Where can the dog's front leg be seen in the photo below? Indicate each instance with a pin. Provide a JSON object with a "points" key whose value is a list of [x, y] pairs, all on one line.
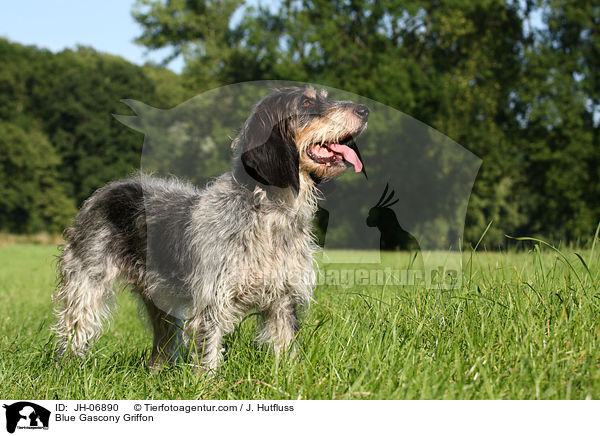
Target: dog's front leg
{"points": [[207, 330], [280, 326]]}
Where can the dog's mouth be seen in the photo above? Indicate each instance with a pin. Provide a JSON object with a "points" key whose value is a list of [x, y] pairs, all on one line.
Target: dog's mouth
{"points": [[335, 153]]}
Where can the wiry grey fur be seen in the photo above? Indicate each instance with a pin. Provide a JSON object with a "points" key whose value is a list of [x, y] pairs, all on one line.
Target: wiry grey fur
{"points": [[202, 258]]}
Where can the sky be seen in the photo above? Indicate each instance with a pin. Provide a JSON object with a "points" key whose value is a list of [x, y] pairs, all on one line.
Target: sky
{"points": [[105, 25]]}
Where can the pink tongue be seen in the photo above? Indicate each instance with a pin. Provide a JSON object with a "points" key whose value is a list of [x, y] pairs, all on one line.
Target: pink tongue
{"points": [[348, 154]]}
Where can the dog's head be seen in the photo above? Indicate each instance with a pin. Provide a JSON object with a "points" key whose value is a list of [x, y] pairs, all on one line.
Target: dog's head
{"points": [[295, 131]]}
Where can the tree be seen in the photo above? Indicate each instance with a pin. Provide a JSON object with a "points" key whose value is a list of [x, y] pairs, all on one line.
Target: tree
{"points": [[31, 198], [559, 134], [60, 106]]}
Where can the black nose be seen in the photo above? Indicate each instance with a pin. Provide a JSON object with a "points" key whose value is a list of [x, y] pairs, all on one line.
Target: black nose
{"points": [[362, 111]]}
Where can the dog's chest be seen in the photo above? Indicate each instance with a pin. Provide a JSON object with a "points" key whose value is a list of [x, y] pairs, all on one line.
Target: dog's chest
{"points": [[278, 252]]}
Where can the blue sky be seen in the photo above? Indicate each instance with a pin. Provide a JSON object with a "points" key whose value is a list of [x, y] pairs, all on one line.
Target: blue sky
{"points": [[58, 24]]}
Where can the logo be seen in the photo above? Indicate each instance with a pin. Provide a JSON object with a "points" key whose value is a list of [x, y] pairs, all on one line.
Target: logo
{"points": [[26, 415], [411, 194]]}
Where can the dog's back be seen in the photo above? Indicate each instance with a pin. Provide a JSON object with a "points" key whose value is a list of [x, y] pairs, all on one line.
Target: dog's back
{"points": [[113, 223]]}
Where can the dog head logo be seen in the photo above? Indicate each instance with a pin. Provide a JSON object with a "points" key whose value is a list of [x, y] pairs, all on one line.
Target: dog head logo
{"points": [[26, 415]]}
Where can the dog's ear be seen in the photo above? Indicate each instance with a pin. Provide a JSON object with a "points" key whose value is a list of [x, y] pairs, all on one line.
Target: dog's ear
{"points": [[269, 154]]}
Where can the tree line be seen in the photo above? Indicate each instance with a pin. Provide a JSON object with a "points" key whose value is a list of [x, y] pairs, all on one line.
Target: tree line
{"points": [[58, 139], [515, 82]]}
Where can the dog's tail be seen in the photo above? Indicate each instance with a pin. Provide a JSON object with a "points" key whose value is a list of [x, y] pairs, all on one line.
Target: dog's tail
{"points": [[84, 298]]}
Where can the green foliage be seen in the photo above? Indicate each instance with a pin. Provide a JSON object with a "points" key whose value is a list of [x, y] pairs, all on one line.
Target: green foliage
{"points": [[75, 104], [59, 141], [194, 29], [559, 138], [31, 196]]}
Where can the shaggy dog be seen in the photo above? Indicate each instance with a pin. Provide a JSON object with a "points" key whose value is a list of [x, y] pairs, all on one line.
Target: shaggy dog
{"points": [[242, 243]]}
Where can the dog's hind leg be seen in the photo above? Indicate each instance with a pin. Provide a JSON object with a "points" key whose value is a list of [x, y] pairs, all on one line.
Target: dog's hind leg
{"points": [[84, 298], [168, 343]]}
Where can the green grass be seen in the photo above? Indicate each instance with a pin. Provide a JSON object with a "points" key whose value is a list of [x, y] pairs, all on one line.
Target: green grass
{"points": [[523, 326]]}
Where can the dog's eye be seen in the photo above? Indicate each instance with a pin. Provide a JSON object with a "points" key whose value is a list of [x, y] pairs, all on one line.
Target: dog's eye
{"points": [[307, 102]]}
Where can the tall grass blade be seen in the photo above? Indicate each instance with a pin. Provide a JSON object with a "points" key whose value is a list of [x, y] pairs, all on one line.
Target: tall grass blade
{"points": [[539, 241]]}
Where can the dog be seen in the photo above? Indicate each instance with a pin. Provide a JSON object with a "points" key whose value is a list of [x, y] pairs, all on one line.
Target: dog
{"points": [[243, 243]]}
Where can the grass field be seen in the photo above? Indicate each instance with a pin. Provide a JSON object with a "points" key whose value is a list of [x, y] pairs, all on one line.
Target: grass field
{"points": [[523, 326]]}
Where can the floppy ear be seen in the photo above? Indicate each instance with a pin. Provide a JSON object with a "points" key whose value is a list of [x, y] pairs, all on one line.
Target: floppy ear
{"points": [[269, 154]]}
